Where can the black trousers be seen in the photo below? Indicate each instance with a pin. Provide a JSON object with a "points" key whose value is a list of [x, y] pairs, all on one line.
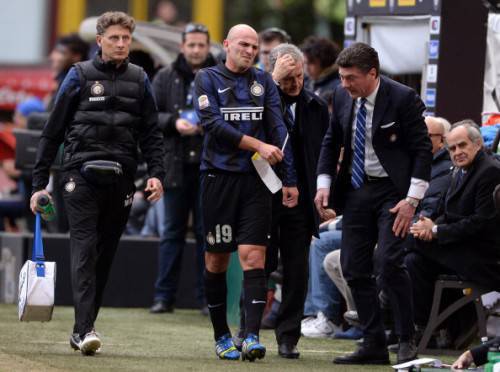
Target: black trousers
{"points": [[97, 216], [367, 222], [291, 236], [423, 273]]}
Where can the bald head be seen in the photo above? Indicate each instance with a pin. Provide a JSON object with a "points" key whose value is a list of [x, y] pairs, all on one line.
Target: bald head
{"points": [[241, 30], [241, 46]]}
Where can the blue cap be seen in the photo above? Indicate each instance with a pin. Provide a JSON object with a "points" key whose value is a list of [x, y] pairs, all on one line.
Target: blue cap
{"points": [[30, 105]]}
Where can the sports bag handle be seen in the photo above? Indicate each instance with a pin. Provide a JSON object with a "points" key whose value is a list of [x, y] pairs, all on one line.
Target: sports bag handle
{"points": [[37, 254]]}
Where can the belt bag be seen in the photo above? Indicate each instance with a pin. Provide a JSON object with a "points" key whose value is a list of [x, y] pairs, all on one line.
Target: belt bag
{"points": [[101, 172]]}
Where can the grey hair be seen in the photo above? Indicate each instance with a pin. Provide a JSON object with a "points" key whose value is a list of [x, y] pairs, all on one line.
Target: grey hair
{"points": [[444, 123], [283, 49], [473, 131]]}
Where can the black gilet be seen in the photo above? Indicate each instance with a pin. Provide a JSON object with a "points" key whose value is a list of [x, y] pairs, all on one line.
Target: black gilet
{"points": [[105, 122]]}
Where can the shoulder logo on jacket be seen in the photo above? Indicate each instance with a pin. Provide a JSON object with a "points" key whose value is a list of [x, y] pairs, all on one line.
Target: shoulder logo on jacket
{"points": [[242, 113], [97, 89], [203, 102]]}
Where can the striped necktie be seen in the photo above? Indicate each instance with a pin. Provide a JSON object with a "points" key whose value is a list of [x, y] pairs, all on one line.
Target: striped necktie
{"points": [[358, 160], [289, 117]]}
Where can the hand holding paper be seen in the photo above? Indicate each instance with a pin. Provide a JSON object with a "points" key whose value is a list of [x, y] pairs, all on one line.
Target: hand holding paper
{"points": [[269, 154]]}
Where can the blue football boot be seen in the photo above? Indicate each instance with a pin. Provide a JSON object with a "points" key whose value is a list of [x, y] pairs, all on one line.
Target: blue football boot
{"points": [[225, 349], [251, 349]]}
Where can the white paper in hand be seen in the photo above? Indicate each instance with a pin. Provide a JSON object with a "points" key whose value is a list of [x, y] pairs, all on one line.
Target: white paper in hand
{"points": [[266, 172]]}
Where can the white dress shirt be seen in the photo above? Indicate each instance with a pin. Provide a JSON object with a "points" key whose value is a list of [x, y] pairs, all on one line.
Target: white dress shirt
{"points": [[373, 167]]}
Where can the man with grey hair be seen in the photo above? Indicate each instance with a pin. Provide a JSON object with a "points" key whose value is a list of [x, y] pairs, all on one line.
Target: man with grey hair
{"points": [[306, 118], [464, 239]]}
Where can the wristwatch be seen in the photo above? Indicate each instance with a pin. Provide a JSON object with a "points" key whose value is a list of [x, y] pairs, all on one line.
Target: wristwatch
{"points": [[412, 201], [434, 230]]}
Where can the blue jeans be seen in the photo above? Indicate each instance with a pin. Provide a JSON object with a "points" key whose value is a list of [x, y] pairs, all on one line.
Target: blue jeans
{"points": [[322, 294], [179, 201]]}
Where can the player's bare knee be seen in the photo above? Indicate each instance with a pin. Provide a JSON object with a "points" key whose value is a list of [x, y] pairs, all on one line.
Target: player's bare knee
{"points": [[216, 262], [253, 259]]}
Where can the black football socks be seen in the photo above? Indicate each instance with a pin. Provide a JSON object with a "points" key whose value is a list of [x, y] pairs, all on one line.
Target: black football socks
{"points": [[216, 292], [254, 285]]}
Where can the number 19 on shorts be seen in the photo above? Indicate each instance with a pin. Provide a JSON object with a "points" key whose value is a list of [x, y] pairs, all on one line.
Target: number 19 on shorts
{"points": [[223, 233]]}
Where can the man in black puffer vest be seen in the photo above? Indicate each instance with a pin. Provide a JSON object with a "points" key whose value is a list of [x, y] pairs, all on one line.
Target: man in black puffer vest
{"points": [[104, 109], [174, 92]]}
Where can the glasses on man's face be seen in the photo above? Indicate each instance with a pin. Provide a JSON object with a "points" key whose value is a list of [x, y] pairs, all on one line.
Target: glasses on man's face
{"points": [[195, 27], [431, 135]]}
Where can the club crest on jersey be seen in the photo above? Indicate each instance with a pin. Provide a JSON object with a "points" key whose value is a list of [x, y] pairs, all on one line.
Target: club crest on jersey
{"points": [[257, 89], [210, 238], [70, 186], [242, 113], [97, 89]]}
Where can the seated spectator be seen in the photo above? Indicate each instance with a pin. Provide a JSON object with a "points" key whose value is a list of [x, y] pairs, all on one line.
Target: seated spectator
{"points": [[320, 54], [323, 304], [440, 170], [464, 239], [477, 355], [333, 268]]}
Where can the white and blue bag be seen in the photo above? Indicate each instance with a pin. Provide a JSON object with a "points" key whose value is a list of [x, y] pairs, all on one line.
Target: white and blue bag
{"points": [[37, 282]]}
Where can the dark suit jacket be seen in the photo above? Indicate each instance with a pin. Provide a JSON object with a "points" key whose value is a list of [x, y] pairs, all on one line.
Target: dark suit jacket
{"points": [[469, 227], [311, 123], [400, 138], [439, 184]]}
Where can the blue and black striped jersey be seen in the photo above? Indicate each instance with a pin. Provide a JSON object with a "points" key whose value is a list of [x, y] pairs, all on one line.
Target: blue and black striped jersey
{"points": [[231, 105]]}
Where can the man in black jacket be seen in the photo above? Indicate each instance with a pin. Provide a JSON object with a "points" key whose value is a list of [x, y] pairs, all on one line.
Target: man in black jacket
{"points": [[173, 87], [306, 117], [103, 111], [464, 239], [440, 169]]}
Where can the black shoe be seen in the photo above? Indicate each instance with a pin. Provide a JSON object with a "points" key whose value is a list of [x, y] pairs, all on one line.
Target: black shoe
{"points": [[407, 351], [288, 351], [365, 355], [391, 338], [161, 307], [393, 348]]}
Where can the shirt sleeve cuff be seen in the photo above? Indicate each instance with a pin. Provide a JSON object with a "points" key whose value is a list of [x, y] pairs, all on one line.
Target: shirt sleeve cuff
{"points": [[324, 181], [417, 188]]}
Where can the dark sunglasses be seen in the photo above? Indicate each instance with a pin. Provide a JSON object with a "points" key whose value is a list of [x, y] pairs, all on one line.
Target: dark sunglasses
{"points": [[195, 27]]}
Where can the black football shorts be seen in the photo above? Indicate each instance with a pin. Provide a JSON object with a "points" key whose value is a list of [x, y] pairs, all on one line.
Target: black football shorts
{"points": [[236, 209]]}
